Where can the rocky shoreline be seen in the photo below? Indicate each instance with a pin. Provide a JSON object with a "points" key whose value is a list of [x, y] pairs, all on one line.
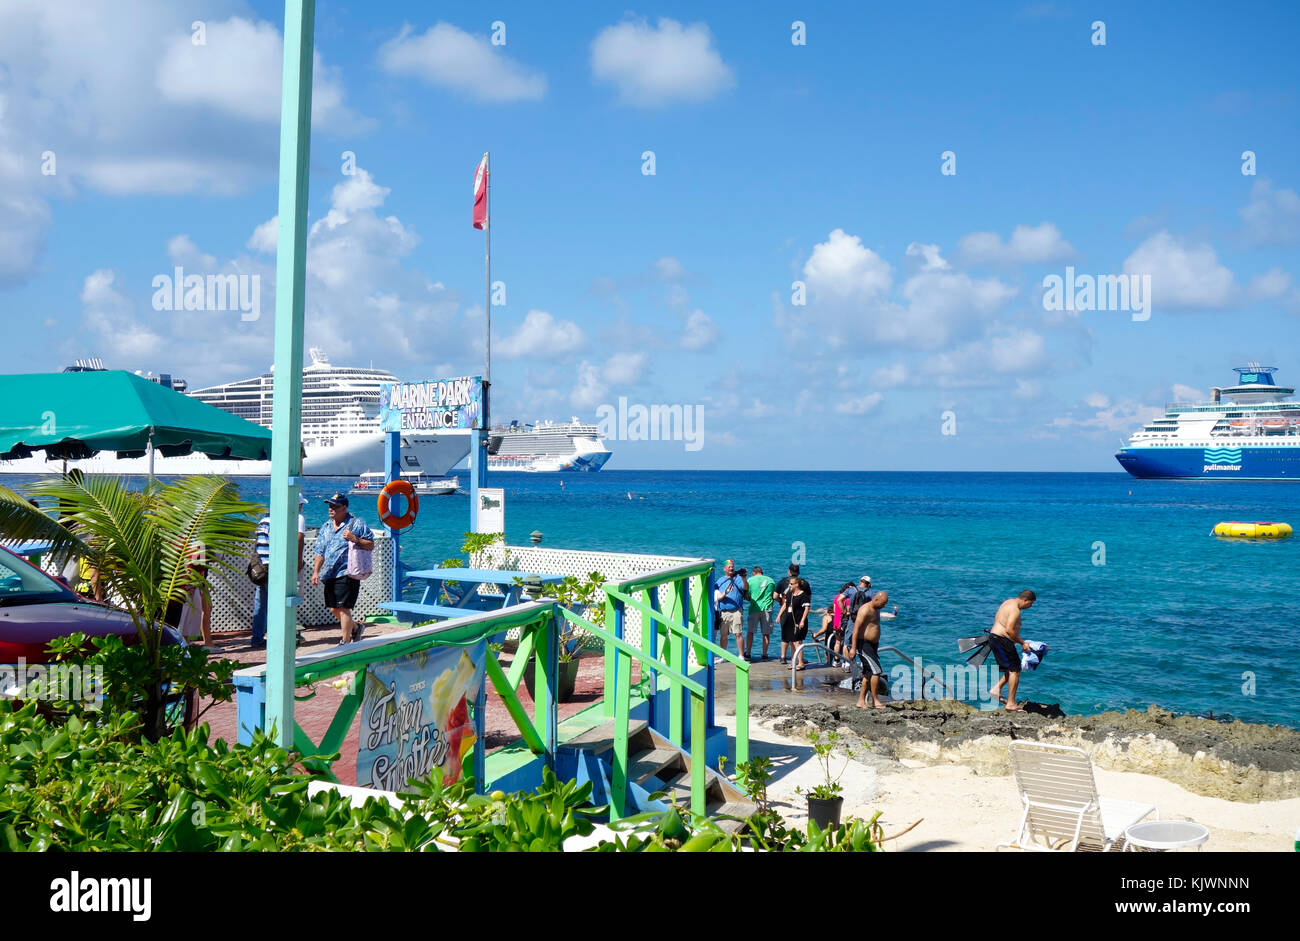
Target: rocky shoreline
{"points": [[1234, 760]]}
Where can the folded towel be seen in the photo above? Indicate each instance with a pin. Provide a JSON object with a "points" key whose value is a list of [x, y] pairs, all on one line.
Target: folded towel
{"points": [[1031, 660]]}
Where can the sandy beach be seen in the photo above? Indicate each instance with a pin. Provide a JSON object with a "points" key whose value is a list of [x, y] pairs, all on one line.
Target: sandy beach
{"points": [[963, 810]]}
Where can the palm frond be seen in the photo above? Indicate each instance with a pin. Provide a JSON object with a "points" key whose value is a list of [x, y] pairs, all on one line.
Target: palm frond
{"points": [[203, 516], [22, 522]]}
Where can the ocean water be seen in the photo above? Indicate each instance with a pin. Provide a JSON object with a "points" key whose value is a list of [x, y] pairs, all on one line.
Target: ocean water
{"points": [[1174, 617]]}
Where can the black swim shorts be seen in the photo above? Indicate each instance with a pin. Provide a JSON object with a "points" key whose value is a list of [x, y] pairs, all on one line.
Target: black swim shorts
{"points": [[341, 592], [1006, 652], [869, 655]]}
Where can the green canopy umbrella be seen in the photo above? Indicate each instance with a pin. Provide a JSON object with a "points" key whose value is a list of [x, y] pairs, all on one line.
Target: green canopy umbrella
{"points": [[71, 415]]}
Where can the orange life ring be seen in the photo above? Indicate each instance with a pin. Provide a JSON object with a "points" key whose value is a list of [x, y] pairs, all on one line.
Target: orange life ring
{"points": [[412, 504]]}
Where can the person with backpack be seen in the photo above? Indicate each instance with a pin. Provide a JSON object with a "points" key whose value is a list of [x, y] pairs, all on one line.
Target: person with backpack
{"points": [[333, 545], [259, 574], [832, 632]]}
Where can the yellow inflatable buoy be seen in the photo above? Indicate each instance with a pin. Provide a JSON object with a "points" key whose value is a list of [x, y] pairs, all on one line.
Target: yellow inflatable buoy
{"points": [[1253, 530]]}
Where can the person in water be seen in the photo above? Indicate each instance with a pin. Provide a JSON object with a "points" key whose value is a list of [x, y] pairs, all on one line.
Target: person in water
{"points": [[1006, 643], [865, 645]]}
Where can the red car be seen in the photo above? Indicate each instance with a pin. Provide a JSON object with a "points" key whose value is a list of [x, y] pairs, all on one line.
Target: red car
{"points": [[35, 609]]}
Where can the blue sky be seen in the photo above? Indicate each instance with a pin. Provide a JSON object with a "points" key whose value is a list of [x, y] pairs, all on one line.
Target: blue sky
{"points": [[774, 163]]}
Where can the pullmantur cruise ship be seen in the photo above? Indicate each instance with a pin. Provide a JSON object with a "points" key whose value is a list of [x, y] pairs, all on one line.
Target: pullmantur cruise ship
{"points": [[340, 429], [546, 447], [1249, 431]]}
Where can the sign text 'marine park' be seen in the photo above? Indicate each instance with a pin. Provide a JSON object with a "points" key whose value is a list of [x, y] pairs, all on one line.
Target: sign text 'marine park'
{"points": [[431, 405]]}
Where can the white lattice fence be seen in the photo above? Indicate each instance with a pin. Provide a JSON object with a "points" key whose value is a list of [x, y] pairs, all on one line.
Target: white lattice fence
{"points": [[232, 604], [613, 566]]}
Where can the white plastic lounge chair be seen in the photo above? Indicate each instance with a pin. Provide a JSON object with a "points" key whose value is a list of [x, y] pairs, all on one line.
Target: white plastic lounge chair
{"points": [[1063, 810]]}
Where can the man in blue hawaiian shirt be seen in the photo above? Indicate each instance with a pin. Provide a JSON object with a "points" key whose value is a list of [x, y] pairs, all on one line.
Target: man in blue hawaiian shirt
{"points": [[332, 543]]}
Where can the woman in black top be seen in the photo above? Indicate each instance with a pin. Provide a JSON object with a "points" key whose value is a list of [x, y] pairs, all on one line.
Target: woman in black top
{"points": [[799, 596]]}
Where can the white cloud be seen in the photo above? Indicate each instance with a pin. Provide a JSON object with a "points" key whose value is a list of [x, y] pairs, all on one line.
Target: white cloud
{"points": [[1028, 245], [1123, 417], [1096, 400], [540, 334], [700, 332], [843, 269], [930, 253], [182, 250], [849, 289], [669, 269], [652, 66], [1182, 275], [860, 405], [363, 302], [1270, 285], [1184, 393], [981, 363], [625, 368], [593, 382], [448, 57], [1272, 215], [888, 376], [238, 70], [109, 316], [266, 236], [24, 226]]}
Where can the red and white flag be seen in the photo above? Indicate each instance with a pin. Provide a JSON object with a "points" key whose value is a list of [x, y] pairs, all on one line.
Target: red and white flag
{"points": [[480, 194]]}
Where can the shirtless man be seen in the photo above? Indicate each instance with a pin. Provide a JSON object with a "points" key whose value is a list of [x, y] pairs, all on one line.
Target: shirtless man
{"points": [[865, 645], [1005, 638]]}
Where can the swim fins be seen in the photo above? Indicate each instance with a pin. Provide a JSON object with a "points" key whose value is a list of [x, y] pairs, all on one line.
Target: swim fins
{"points": [[965, 644]]}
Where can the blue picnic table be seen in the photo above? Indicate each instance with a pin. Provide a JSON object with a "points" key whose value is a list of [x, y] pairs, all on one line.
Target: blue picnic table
{"points": [[468, 599]]}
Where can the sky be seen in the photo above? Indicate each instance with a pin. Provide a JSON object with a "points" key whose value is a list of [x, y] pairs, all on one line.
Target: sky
{"points": [[825, 226]]}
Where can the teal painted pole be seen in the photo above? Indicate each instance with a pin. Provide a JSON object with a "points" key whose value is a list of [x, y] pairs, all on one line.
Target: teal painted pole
{"points": [[286, 412]]}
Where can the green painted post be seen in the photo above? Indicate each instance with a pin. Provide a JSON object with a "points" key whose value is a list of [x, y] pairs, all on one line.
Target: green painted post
{"points": [[742, 713], [677, 651], [611, 667], [622, 706], [286, 412], [699, 753], [545, 681]]}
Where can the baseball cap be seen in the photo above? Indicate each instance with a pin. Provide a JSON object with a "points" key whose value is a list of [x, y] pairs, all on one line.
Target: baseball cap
{"points": [[865, 578], [339, 499]]}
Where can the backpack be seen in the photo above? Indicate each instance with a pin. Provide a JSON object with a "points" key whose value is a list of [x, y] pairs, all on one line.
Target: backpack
{"points": [[857, 598]]}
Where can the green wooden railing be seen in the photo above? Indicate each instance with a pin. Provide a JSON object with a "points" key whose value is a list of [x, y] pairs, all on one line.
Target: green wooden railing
{"points": [[621, 700], [534, 619]]}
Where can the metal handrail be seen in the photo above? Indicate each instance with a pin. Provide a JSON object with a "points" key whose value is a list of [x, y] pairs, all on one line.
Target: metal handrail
{"points": [[891, 649]]}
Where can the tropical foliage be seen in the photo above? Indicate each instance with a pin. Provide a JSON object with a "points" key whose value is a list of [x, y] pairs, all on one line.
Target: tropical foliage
{"points": [[143, 544]]}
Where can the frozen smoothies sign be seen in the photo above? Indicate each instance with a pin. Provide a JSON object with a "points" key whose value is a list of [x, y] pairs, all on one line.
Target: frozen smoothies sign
{"points": [[430, 405], [415, 716]]}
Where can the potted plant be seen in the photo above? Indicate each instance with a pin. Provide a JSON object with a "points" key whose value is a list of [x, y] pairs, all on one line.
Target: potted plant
{"points": [[826, 800], [581, 596]]}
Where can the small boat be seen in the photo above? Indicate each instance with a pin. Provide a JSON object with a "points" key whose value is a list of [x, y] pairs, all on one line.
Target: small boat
{"points": [[371, 482]]}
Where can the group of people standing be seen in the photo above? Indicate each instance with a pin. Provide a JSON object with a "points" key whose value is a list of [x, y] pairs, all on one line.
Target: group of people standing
{"points": [[850, 624]]}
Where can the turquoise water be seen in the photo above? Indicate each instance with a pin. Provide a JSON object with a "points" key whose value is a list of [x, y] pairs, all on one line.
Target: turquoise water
{"points": [[1174, 617]]}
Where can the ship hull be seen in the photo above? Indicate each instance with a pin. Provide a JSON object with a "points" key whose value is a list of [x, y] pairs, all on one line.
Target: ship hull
{"points": [[1250, 462], [349, 456]]}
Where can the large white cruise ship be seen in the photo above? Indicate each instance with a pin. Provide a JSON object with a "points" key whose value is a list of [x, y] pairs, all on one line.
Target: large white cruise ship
{"points": [[546, 447], [1248, 431], [340, 429]]}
